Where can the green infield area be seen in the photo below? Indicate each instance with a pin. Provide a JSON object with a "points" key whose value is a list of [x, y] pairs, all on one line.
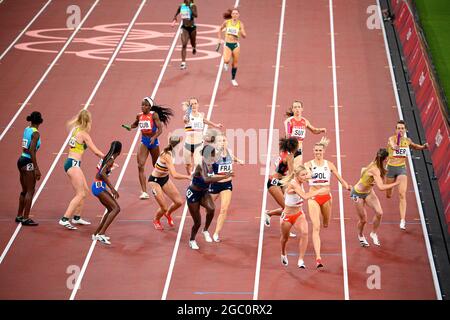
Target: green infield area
{"points": [[435, 19]]}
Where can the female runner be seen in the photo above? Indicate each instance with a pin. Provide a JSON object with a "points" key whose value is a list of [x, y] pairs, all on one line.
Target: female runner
{"points": [[362, 194], [234, 28], [188, 11], [149, 122], [161, 184]]}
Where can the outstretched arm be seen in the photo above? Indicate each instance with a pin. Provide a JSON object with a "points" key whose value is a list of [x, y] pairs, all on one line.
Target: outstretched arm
{"points": [[338, 176], [172, 171], [88, 140], [314, 129]]}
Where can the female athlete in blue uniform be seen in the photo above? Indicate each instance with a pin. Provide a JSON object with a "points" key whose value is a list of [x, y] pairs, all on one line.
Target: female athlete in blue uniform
{"points": [[197, 194], [188, 11], [149, 122], [224, 188], [28, 168], [99, 190]]}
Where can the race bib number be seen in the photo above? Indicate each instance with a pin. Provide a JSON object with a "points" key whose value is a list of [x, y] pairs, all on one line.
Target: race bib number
{"points": [[233, 31], [225, 168], [401, 152], [189, 193], [185, 12], [145, 125], [298, 132], [30, 167], [98, 184], [197, 125], [72, 142], [24, 143]]}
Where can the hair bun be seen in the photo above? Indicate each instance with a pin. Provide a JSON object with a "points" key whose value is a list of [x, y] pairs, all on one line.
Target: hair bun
{"points": [[28, 118]]}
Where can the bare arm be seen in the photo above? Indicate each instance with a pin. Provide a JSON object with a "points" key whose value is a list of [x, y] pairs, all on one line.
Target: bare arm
{"points": [[34, 139], [210, 123], [305, 195], [338, 176], [417, 146], [194, 11], [176, 14], [286, 129], [392, 143], [314, 129], [243, 32], [105, 178], [172, 171], [219, 33], [88, 140], [375, 172], [135, 123], [214, 178], [159, 130]]}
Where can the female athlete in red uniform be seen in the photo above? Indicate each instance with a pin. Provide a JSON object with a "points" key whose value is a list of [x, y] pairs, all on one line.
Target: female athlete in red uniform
{"points": [[296, 125], [320, 205], [149, 122], [293, 212], [283, 166]]}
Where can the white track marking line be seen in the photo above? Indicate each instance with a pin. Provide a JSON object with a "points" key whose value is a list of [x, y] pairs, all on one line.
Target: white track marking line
{"points": [[133, 145], [338, 154], [411, 165], [41, 187], [269, 148], [24, 30], [185, 209], [50, 67]]}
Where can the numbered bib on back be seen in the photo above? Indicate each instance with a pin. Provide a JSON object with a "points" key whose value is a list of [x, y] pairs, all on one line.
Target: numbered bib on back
{"points": [[72, 142], [25, 143], [401, 152], [185, 12], [98, 184], [145, 125], [298, 132]]}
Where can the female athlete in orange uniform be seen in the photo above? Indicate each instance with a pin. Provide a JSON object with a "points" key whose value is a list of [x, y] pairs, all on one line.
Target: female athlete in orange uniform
{"points": [[362, 193], [320, 205], [296, 125], [293, 212], [398, 146], [149, 122]]}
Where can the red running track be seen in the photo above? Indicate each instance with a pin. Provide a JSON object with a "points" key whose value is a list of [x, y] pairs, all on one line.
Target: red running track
{"points": [[135, 266]]}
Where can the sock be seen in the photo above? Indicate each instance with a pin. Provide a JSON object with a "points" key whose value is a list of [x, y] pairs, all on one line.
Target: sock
{"points": [[76, 218], [64, 219], [233, 73]]}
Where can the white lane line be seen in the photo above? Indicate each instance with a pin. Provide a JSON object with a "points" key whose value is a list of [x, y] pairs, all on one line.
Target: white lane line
{"points": [[50, 67], [269, 146], [411, 166], [19, 226], [24, 30], [338, 153], [185, 209], [133, 145]]}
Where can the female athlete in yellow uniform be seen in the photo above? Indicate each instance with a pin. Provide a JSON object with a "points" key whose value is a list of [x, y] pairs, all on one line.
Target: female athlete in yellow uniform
{"points": [[362, 193], [234, 28], [398, 146]]}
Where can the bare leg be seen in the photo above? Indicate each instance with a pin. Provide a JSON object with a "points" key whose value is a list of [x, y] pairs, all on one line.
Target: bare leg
{"points": [[402, 188], [142, 156], [314, 214], [225, 200], [78, 182]]}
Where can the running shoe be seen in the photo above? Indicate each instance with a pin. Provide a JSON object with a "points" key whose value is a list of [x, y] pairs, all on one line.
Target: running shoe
{"points": [[234, 83], [284, 260], [67, 225], [81, 221], [266, 219], [169, 220], [29, 222], [94, 237], [19, 219], [183, 65], [292, 235], [375, 240], [363, 242], [403, 224], [194, 50], [193, 245], [225, 67], [216, 237], [144, 195], [157, 224], [102, 239], [319, 264], [207, 236], [301, 264]]}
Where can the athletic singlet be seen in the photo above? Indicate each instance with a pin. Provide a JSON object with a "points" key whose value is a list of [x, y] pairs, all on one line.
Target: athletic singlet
{"points": [[199, 182], [233, 30], [26, 141], [281, 165], [146, 123], [366, 180], [186, 12], [296, 128], [195, 123], [320, 176], [292, 200], [400, 153], [223, 165], [99, 166], [74, 145], [161, 167]]}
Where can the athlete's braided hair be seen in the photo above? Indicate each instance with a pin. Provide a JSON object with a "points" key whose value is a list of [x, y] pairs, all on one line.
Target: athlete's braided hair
{"points": [[116, 148], [164, 113]]}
